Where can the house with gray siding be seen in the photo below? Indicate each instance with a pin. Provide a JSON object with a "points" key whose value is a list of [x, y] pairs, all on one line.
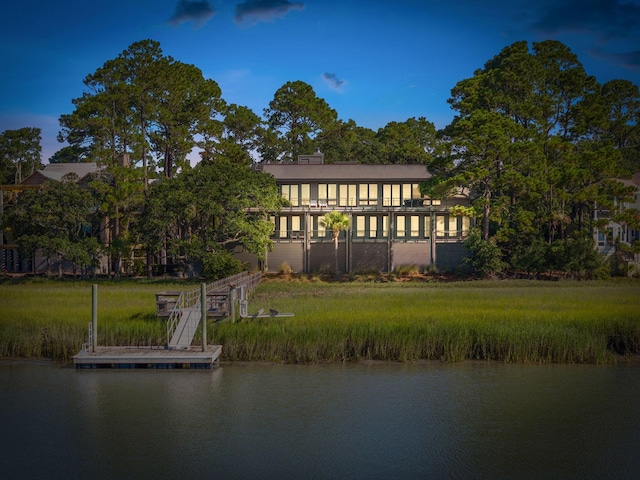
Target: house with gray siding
{"points": [[391, 223]]}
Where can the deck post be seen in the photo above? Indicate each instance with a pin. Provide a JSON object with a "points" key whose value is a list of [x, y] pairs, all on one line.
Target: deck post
{"points": [[232, 303], [94, 317], [203, 314]]}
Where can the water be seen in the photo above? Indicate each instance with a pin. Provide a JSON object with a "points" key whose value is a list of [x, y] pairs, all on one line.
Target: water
{"points": [[366, 421]]}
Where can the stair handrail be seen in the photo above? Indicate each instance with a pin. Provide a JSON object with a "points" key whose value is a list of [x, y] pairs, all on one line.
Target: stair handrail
{"points": [[174, 316], [191, 298]]}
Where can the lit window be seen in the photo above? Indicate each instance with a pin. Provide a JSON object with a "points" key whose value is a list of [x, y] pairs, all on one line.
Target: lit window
{"points": [[400, 226]]}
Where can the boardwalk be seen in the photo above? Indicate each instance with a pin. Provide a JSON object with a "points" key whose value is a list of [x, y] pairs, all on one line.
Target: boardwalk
{"points": [[185, 311]]}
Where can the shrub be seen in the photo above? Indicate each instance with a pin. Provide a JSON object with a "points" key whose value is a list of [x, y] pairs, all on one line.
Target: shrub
{"points": [[285, 269]]}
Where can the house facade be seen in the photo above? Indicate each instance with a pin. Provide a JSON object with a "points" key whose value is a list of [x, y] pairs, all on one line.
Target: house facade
{"points": [[10, 258], [391, 223], [618, 234]]}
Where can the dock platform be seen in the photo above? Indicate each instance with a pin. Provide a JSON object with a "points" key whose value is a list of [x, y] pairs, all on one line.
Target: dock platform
{"points": [[148, 357]]}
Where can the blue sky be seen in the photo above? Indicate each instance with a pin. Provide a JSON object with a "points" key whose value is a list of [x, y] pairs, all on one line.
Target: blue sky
{"points": [[372, 61]]}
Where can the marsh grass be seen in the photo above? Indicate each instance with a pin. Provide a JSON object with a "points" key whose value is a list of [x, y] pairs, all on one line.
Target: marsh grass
{"points": [[516, 321], [50, 319], [528, 321]]}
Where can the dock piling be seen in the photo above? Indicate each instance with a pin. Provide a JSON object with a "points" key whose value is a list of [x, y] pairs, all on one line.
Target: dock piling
{"points": [[203, 314], [94, 317]]}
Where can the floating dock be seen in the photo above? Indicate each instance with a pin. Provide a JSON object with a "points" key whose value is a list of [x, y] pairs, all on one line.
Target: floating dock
{"points": [[148, 357]]}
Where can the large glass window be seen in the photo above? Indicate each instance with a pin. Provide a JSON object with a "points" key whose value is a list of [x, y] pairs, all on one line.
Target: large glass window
{"points": [[373, 227], [392, 195], [427, 226], [361, 228], [305, 193], [322, 231], [415, 226], [289, 227], [290, 192], [327, 194], [368, 193], [453, 226], [400, 226], [440, 226], [347, 195]]}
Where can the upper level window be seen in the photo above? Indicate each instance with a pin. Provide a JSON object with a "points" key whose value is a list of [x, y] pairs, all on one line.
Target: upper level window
{"points": [[368, 193], [305, 193], [348, 195], [290, 192], [327, 194]]}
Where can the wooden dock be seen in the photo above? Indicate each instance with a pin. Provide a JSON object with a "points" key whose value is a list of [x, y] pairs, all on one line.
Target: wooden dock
{"points": [[147, 357]]}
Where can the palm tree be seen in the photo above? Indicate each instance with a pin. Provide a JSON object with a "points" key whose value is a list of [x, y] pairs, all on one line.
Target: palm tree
{"points": [[336, 222]]}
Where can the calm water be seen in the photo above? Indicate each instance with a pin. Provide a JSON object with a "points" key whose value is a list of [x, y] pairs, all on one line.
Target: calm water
{"points": [[378, 421]]}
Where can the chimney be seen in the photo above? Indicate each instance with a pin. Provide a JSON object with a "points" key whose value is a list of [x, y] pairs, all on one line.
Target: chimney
{"points": [[314, 159]]}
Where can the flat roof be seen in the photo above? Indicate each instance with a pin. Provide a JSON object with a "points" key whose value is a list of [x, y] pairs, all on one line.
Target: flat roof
{"points": [[341, 172]]}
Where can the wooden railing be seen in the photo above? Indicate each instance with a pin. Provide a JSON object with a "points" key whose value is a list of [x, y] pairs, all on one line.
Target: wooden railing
{"points": [[218, 298]]}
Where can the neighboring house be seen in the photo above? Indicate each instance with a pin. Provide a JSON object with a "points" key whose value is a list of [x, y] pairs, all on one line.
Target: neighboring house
{"points": [[618, 233], [392, 224], [10, 258]]}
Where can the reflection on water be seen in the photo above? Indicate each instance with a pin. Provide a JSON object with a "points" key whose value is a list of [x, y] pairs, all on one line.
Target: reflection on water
{"points": [[432, 420]]}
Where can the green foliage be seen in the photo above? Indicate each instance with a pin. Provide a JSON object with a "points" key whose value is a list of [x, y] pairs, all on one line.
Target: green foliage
{"points": [[296, 116], [209, 212], [54, 219], [484, 258], [578, 257], [285, 269], [523, 321], [336, 222], [20, 153], [407, 270], [220, 265]]}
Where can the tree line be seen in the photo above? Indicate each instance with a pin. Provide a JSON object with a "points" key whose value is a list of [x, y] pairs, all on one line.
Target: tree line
{"points": [[536, 144]]}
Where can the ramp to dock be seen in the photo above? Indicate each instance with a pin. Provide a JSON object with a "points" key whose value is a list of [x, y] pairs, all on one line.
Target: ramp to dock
{"points": [[186, 328]]}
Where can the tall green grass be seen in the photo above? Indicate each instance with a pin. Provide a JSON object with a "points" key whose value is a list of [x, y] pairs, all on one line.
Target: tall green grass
{"points": [[515, 321], [506, 321], [50, 318]]}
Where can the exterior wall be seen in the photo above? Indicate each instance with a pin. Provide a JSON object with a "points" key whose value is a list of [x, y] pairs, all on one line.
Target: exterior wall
{"points": [[370, 256], [322, 257], [412, 253], [291, 253], [449, 256]]}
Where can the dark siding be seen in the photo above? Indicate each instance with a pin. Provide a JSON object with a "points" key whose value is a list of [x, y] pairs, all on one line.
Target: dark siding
{"points": [[369, 256], [290, 253], [322, 257], [411, 253], [449, 256]]}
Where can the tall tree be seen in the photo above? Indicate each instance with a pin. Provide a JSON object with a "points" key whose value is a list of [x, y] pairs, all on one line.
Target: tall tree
{"points": [[409, 142], [43, 219], [347, 142], [186, 106], [533, 145], [20, 154], [208, 213], [298, 116]]}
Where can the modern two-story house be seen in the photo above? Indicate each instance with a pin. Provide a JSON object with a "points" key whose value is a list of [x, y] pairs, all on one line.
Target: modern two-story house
{"points": [[391, 223]]}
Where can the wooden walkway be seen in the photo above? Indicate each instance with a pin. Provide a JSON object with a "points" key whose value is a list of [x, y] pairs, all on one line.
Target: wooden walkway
{"points": [[184, 311], [148, 357]]}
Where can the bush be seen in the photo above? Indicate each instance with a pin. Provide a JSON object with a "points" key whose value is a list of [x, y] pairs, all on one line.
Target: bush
{"points": [[485, 257], [407, 270], [285, 269], [220, 265]]}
